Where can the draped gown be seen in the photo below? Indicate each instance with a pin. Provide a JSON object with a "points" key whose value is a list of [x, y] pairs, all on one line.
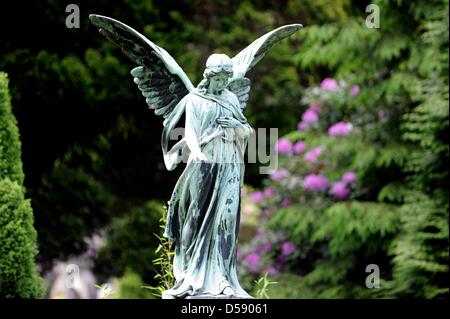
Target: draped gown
{"points": [[204, 209]]}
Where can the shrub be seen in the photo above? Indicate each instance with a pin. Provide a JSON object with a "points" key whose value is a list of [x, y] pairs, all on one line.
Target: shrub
{"points": [[131, 242], [18, 276]]}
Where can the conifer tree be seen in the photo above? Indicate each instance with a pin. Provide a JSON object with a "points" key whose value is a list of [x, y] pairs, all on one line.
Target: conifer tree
{"points": [[18, 275]]}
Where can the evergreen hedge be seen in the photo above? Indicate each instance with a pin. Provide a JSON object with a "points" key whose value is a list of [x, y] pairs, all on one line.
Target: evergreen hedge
{"points": [[18, 275]]}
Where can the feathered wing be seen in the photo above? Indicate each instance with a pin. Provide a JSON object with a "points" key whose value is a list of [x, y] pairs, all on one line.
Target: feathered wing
{"points": [[251, 55], [162, 81]]}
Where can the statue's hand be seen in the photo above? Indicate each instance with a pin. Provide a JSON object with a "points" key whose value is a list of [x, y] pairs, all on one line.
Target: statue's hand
{"points": [[199, 157], [227, 121]]}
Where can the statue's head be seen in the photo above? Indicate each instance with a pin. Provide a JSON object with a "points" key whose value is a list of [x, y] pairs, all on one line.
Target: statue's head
{"points": [[219, 69], [218, 63]]}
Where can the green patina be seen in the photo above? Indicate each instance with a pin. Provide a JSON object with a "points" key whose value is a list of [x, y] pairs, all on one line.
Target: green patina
{"points": [[204, 210]]}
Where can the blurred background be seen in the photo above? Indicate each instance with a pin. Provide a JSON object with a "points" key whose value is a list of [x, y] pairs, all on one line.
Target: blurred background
{"points": [[358, 207]]}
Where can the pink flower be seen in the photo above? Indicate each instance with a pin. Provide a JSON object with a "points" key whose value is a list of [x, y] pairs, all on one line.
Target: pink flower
{"points": [[253, 261], [280, 259], [340, 190], [265, 248], [269, 192], [381, 114], [91, 253], [287, 248], [284, 146], [329, 84], [259, 234], [310, 117], [349, 177], [266, 213], [314, 107], [279, 174], [313, 154], [272, 271], [301, 126], [257, 197], [340, 128], [239, 255], [354, 90], [315, 182], [299, 147], [286, 202]]}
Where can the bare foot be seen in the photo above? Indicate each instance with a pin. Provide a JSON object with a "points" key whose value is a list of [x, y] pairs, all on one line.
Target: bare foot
{"points": [[228, 291]]}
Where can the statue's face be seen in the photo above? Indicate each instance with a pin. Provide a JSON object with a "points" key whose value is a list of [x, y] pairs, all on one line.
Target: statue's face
{"points": [[218, 82]]}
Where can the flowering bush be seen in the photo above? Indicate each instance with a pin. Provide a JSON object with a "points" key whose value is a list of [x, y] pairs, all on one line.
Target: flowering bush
{"points": [[307, 211], [383, 136], [269, 252], [308, 172], [340, 128]]}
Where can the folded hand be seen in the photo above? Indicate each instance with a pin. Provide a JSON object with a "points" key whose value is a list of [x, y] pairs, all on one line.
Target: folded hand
{"points": [[227, 121]]}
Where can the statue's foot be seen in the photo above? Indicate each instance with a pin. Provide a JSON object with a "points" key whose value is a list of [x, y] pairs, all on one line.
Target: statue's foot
{"points": [[228, 291], [166, 295]]}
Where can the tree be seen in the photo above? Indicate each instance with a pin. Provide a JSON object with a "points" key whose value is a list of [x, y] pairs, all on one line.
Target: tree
{"points": [[131, 243], [421, 252], [403, 70], [91, 148], [391, 84], [18, 275]]}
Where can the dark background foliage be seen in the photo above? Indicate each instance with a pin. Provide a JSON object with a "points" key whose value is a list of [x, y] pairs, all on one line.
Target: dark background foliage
{"points": [[91, 149]]}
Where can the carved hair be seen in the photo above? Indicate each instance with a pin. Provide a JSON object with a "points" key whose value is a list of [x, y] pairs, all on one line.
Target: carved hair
{"points": [[216, 64]]}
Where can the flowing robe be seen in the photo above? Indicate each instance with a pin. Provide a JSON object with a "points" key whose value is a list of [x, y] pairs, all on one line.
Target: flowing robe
{"points": [[204, 209]]}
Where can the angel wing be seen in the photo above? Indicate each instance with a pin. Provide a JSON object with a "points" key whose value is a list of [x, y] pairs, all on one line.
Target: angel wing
{"points": [[251, 55], [162, 81]]}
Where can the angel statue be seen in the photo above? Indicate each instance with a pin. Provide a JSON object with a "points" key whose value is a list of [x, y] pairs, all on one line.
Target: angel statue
{"points": [[204, 210]]}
